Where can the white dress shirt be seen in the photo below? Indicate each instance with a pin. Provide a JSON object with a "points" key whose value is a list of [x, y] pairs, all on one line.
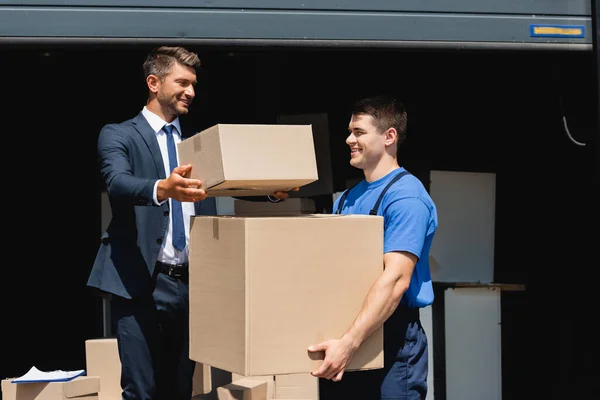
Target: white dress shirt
{"points": [[169, 254]]}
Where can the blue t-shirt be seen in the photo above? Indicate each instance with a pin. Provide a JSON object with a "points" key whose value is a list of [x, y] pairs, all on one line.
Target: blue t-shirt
{"points": [[409, 220]]}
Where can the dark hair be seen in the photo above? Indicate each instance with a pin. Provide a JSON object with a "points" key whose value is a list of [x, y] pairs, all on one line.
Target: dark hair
{"points": [[160, 61], [386, 111]]}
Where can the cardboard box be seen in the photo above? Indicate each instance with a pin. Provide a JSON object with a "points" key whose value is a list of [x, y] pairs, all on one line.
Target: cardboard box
{"points": [[102, 360], [320, 128], [243, 389], [295, 206], [202, 380], [270, 379], [263, 289], [250, 160], [80, 388], [297, 386]]}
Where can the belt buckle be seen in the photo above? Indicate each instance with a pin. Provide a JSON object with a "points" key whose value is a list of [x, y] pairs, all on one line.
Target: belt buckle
{"points": [[173, 273]]}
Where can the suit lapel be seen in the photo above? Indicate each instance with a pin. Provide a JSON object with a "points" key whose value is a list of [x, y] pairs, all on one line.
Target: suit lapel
{"points": [[147, 133]]}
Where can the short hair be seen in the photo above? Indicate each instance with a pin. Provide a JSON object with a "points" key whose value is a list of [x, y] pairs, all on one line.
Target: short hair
{"points": [[160, 61], [387, 112]]}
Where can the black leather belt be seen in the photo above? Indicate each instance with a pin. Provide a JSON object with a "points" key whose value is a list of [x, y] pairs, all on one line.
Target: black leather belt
{"points": [[180, 271]]}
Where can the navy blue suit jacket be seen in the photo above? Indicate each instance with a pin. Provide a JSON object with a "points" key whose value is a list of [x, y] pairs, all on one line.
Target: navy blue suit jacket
{"points": [[130, 163]]}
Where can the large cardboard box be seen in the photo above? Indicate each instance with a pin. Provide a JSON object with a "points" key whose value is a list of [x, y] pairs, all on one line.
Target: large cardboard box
{"points": [[80, 388], [250, 160], [262, 289]]}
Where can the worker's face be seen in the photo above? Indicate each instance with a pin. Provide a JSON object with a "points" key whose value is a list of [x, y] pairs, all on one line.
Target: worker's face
{"points": [[176, 90], [367, 144]]}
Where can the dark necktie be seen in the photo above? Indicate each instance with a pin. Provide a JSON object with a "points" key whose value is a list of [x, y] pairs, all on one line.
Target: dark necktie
{"points": [[176, 211]]}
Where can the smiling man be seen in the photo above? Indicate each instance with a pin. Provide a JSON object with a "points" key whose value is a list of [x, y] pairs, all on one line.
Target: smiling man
{"points": [[142, 260], [377, 127]]}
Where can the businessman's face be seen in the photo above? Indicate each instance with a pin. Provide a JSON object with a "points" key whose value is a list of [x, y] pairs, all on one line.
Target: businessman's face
{"points": [[176, 90]]}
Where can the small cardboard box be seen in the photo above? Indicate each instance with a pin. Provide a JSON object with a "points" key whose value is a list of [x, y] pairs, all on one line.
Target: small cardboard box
{"points": [[202, 380], [263, 289], [270, 379], [243, 389], [102, 360], [297, 386], [250, 160], [80, 388]]}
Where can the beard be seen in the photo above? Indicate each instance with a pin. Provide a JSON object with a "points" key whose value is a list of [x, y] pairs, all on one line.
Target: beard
{"points": [[171, 104]]}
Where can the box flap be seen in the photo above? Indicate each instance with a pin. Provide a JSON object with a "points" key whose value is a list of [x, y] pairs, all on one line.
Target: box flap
{"points": [[81, 386]]}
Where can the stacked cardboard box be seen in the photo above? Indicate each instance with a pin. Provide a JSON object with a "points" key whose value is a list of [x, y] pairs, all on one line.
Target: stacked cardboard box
{"points": [[274, 278], [268, 379], [262, 289], [80, 388], [102, 360], [289, 386], [296, 386]]}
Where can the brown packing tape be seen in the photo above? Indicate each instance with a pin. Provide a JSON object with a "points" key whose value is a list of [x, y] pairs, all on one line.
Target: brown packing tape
{"points": [[197, 143], [216, 228]]}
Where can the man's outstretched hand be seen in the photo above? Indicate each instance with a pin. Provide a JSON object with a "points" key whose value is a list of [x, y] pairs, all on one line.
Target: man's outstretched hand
{"points": [[280, 194], [178, 187]]}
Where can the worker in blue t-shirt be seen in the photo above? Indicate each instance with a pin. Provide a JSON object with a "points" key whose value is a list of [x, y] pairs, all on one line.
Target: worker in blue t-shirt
{"points": [[377, 127]]}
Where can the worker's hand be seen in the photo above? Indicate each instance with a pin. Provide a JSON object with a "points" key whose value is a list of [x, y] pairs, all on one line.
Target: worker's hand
{"points": [[280, 194], [338, 353]]}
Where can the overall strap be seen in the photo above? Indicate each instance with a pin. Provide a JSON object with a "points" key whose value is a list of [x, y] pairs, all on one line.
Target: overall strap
{"points": [[342, 199], [376, 207], [394, 179]]}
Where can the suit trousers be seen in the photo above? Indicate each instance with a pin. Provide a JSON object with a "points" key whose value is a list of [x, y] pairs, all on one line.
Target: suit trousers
{"points": [[153, 340]]}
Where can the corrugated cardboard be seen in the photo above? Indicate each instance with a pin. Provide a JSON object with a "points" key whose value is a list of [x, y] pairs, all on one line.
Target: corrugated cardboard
{"points": [[243, 389], [270, 379], [297, 386], [262, 289], [80, 388], [202, 380], [320, 128], [250, 160], [102, 360], [295, 206]]}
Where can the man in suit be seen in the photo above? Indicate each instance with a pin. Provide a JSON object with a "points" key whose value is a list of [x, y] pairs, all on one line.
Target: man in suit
{"points": [[143, 256]]}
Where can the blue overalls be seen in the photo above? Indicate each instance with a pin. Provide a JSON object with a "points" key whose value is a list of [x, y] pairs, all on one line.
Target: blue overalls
{"points": [[404, 376]]}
